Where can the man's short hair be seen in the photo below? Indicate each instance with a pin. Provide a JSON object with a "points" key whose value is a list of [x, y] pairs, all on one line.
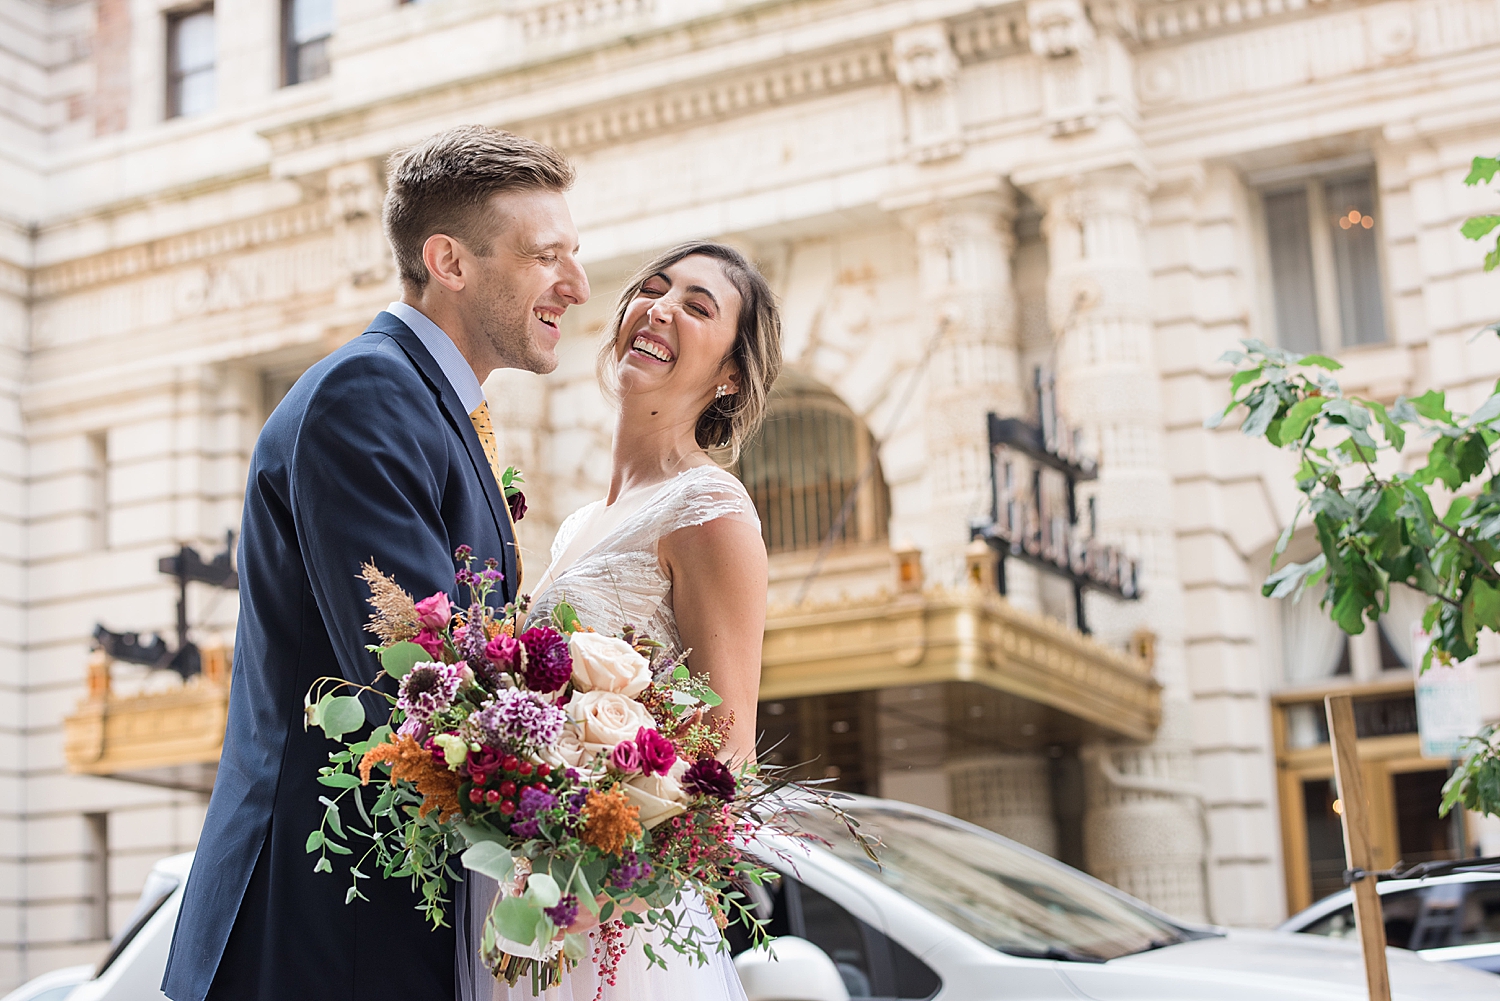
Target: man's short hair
{"points": [[443, 185]]}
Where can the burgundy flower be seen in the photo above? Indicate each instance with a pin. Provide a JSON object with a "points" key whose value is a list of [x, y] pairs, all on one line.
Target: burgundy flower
{"points": [[548, 663], [505, 651], [430, 640], [709, 777], [657, 753], [517, 502]]}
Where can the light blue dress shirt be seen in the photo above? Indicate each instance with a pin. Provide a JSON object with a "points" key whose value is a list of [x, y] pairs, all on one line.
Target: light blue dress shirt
{"points": [[438, 344]]}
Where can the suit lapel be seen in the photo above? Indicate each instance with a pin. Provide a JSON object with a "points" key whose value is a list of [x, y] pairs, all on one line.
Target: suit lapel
{"points": [[458, 418]]}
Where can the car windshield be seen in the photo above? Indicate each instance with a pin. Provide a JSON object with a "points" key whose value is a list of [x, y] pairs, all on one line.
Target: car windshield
{"points": [[1005, 898]]}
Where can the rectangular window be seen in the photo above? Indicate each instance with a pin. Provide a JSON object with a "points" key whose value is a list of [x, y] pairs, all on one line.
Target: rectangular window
{"points": [[191, 55], [307, 25], [97, 828], [1325, 263], [97, 485]]}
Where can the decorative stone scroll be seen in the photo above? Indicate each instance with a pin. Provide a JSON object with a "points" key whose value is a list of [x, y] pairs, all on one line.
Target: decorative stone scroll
{"points": [[355, 193], [1063, 36]]}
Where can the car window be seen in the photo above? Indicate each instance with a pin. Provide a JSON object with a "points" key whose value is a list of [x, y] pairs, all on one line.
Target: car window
{"points": [[871, 964], [1428, 917], [159, 887], [55, 993], [1008, 899]]}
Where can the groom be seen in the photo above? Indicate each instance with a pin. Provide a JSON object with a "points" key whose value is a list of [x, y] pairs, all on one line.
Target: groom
{"points": [[383, 450]]}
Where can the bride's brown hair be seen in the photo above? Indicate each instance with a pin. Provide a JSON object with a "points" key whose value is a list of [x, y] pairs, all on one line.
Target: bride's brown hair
{"points": [[729, 421]]}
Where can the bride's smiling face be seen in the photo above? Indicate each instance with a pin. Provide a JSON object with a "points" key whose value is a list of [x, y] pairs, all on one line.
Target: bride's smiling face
{"points": [[677, 333]]}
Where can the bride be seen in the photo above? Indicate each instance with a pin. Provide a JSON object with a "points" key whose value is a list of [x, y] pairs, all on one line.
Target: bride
{"points": [[674, 548]]}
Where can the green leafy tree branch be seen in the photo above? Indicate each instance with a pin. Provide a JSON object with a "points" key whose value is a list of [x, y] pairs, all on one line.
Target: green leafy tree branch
{"points": [[1482, 171], [1378, 524]]}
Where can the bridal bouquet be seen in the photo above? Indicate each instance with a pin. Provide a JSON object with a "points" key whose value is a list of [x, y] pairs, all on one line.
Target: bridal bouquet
{"points": [[576, 769]]}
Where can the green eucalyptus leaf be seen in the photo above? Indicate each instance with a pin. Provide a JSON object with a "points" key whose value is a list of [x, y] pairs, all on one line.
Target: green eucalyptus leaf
{"points": [[575, 947], [339, 780], [314, 841], [516, 918], [490, 858], [323, 865], [542, 888], [342, 715], [399, 658]]}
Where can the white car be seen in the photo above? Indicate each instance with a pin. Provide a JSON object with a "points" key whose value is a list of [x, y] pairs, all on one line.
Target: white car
{"points": [[956, 912], [953, 912], [1447, 912]]}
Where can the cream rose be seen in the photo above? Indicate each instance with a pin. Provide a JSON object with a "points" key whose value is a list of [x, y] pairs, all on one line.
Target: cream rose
{"points": [[659, 797], [607, 664], [606, 718], [568, 751]]}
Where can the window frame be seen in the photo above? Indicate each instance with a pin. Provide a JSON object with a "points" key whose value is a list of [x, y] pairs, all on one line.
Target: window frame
{"points": [[174, 78], [290, 47], [1311, 178]]}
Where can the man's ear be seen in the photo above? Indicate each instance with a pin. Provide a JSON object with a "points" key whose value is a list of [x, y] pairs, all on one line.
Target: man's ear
{"points": [[445, 259]]}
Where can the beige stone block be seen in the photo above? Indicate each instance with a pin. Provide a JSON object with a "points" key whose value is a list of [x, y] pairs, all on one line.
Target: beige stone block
{"points": [[1227, 664], [1218, 613], [1228, 722], [1248, 894], [1208, 559], [1239, 780], [151, 523]]}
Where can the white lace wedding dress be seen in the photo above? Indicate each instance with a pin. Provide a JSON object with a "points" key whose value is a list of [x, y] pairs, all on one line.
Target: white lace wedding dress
{"points": [[617, 581]]}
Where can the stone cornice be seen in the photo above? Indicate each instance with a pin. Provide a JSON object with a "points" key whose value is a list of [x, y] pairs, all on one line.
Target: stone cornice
{"points": [[156, 255]]}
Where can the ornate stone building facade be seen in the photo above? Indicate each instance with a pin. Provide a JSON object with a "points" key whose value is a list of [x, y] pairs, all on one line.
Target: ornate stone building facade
{"points": [[948, 195]]}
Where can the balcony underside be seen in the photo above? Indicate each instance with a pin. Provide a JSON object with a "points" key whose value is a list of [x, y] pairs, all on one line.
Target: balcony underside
{"points": [[967, 635]]}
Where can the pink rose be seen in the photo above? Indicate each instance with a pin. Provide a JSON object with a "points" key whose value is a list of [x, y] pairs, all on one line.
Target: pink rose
{"points": [[625, 757], [656, 752], [434, 612], [431, 641], [506, 651]]}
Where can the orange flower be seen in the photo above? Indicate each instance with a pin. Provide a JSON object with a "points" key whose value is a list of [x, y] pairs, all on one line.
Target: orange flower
{"points": [[610, 820], [411, 762]]}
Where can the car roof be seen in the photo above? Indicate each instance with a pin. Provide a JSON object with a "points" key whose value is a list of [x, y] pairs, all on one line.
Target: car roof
{"points": [[1341, 898]]}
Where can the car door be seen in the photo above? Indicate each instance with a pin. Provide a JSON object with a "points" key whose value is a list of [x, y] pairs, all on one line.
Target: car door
{"points": [[871, 963]]}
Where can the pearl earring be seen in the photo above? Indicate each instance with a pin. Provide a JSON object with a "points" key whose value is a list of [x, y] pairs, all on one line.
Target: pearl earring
{"points": [[721, 392]]}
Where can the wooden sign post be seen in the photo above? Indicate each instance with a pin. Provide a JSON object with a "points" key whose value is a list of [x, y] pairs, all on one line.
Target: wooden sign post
{"points": [[1357, 852]]}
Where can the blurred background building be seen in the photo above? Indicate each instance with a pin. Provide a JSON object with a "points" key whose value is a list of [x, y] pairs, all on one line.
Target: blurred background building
{"points": [[950, 196]]}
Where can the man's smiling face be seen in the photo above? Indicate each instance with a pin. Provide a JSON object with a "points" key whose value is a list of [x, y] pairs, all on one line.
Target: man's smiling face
{"points": [[526, 282]]}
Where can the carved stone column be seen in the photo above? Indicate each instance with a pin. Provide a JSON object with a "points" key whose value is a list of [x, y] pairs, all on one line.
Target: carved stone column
{"points": [[1143, 836], [1010, 794], [963, 253]]}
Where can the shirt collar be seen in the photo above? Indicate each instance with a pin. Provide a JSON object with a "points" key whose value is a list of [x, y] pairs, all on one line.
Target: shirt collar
{"points": [[438, 344]]}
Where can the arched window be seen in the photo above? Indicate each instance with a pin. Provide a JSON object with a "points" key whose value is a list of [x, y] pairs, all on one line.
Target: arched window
{"points": [[802, 467]]}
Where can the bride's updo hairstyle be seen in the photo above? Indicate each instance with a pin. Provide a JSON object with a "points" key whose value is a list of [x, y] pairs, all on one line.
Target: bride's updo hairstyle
{"points": [[729, 421]]}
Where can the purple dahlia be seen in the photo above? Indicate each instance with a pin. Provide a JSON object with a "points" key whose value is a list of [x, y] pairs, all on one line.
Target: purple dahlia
{"points": [[548, 663]]}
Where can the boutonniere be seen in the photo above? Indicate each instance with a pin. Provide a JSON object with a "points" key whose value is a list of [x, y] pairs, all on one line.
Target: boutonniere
{"points": [[513, 496]]}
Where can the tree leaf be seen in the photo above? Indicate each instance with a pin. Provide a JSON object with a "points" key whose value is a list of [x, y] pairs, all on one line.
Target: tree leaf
{"points": [[1297, 418], [1243, 376], [1482, 169], [1319, 361], [1476, 227], [1290, 580], [1432, 405], [1488, 410], [1261, 416], [1486, 598], [490, 858], [399, 658], [341, 715]]}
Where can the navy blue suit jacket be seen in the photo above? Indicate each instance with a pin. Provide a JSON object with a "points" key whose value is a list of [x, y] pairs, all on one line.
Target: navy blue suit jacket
{"points": [[371, 455]]}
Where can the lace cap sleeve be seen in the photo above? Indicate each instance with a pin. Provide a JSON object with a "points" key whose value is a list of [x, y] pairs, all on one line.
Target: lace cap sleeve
{"points": [[701, 495], [569, 528]]}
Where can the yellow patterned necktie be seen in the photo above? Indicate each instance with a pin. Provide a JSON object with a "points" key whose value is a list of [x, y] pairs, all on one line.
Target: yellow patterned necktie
{"points": [[480, 415]]}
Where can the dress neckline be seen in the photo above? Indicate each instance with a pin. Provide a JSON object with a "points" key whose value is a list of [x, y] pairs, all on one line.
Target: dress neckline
{"points": [[646, 505]]}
